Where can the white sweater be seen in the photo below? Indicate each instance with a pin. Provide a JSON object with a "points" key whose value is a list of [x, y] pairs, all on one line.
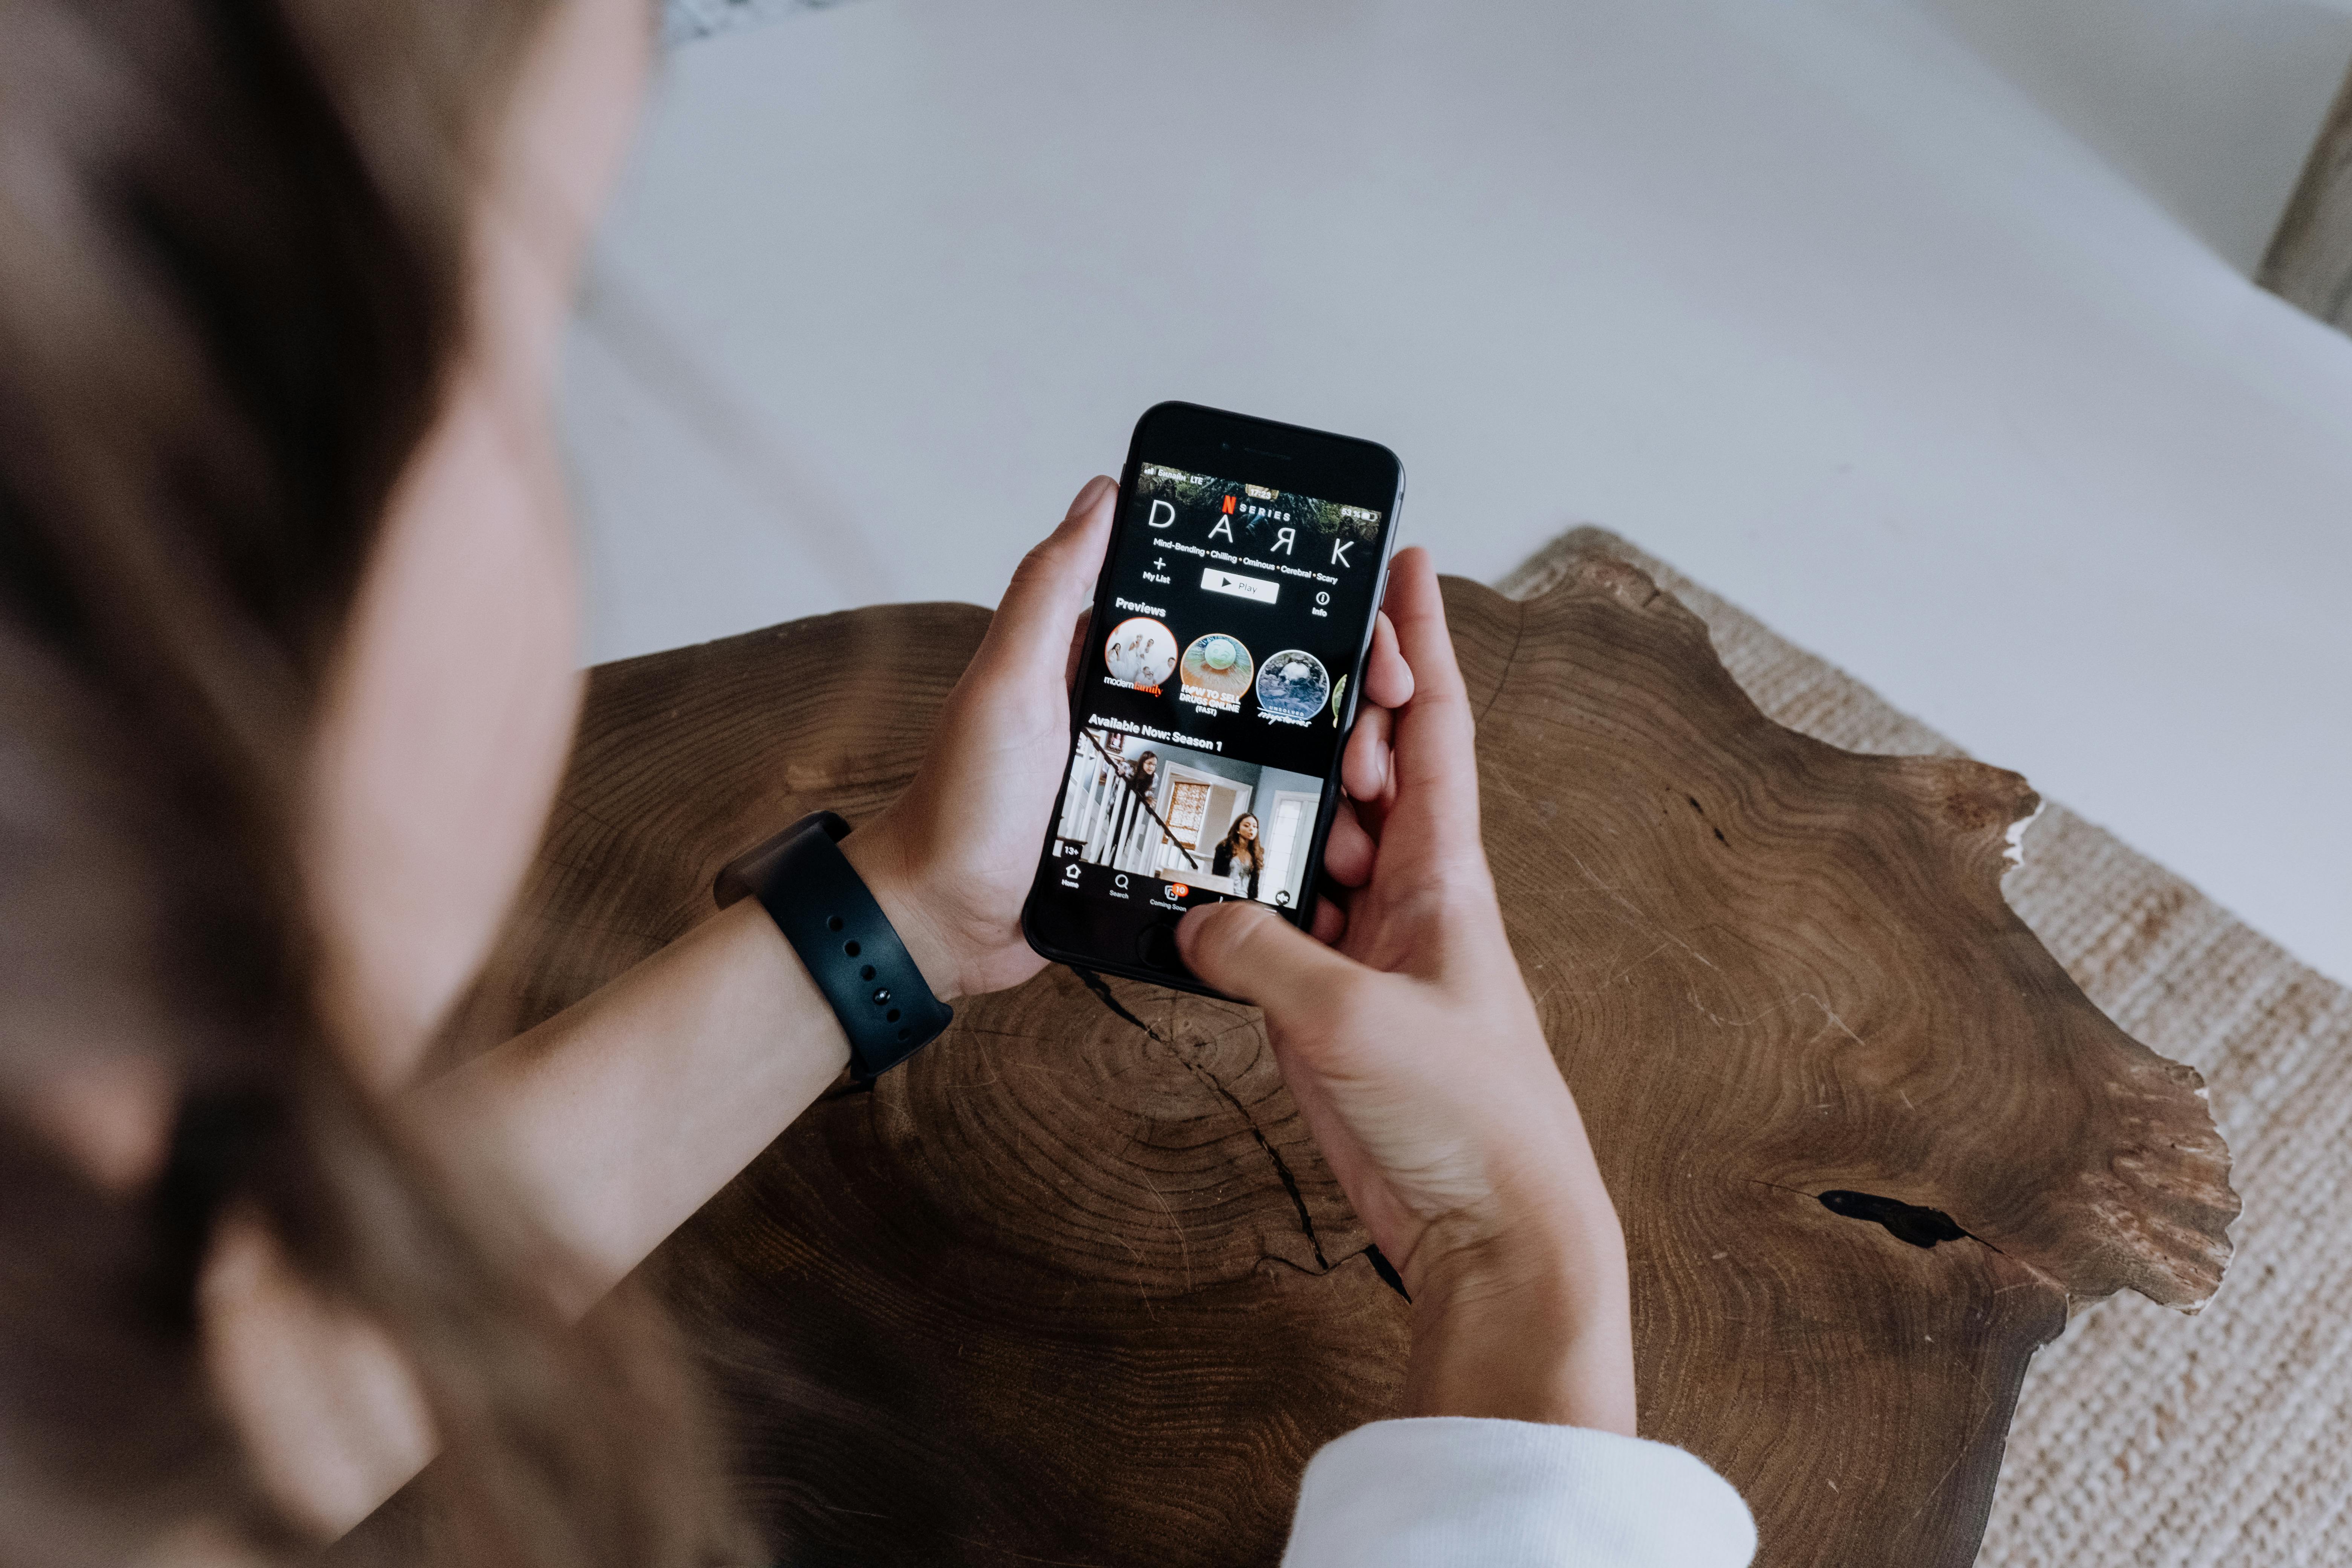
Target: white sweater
{"points": [[1453, 1492]]}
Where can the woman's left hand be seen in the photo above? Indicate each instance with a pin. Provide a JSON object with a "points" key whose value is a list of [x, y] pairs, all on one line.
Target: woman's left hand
{"points": [[951, 861]]}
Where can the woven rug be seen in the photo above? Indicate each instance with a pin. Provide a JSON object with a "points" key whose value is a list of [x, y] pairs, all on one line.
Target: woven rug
{"points": [[2144, 1438]]}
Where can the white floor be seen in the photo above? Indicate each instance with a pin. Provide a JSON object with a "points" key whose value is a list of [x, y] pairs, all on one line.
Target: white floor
{"points": [[1949, 374]]}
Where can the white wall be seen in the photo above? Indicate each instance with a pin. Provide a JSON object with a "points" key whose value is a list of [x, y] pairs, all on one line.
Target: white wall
{"points": [[2209, 106], [1805, 298]]}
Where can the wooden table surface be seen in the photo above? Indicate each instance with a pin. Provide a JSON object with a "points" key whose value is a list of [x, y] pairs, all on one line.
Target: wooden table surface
{"points": [[1075, 1286]]}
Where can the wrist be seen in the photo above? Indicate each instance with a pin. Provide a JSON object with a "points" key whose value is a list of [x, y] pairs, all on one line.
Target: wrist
{"points": [[898, 885], [1534, 1325]]}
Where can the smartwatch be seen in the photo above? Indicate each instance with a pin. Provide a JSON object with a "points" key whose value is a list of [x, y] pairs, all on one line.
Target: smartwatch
{"points": [[845, 941]]}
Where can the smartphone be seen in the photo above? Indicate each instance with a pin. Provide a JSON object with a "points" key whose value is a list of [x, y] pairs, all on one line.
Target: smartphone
{"points": [[1216, 687]]}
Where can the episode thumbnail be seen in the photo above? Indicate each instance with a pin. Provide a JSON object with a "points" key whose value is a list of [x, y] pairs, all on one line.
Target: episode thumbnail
{"points": [[1211, 822]]}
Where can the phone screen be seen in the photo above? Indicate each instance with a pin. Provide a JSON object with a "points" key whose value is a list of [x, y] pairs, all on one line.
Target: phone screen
{"points": [[1213, 699]]}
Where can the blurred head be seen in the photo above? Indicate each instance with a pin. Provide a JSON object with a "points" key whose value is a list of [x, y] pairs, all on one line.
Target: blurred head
{"points": [[447, 703], [288, 667]]}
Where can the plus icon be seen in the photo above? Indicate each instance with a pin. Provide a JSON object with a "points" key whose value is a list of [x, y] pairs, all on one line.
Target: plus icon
{"points": [[1161, 565]]}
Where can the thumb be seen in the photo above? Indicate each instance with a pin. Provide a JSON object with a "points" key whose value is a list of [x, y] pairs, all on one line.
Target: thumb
{"points": [[1053, 583], [1251, 953]]}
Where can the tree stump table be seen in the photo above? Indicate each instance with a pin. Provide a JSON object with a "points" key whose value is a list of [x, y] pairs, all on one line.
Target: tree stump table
{"points": [[1076, 1287]]}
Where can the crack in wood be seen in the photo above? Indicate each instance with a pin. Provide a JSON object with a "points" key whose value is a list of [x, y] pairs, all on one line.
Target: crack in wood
{"points": [[1094, 983], [1281, 1166]]}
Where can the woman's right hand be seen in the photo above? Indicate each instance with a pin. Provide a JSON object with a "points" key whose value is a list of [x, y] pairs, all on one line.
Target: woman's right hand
{"points": [[1410, 1042]]}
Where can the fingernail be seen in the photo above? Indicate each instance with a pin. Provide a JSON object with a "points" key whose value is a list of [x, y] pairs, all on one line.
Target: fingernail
{"points": [[1091, 493]]}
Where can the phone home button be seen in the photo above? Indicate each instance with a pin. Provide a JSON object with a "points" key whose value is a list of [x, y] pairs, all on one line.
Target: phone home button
{"points": [[1157, 947]]}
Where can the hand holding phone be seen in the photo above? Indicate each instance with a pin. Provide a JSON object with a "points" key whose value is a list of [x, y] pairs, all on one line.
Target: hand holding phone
{"points": [[1418, 1061], [950, 860]]}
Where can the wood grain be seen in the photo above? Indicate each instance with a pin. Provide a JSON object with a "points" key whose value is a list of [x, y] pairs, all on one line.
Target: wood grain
{"points": [[2310, 259], [1076, 1287]]}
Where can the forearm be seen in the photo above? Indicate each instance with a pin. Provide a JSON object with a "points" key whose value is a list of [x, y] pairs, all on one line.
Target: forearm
{"points": [[619, 1117], [610, 1123], [615, 1120]]}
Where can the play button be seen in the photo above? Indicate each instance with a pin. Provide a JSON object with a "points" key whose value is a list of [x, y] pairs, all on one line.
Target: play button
{"points": [[1218, 581]]}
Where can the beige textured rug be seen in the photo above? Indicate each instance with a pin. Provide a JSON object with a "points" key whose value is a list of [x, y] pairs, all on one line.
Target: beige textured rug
{"points": [[2143, 1438]]}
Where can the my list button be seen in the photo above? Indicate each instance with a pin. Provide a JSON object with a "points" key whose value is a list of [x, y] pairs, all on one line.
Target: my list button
{"points": [[1217, 580]]}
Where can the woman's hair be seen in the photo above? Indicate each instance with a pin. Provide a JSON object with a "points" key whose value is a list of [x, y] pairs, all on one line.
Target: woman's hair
{"points": [[1252, 850], [232, 235], [1151, 757]]}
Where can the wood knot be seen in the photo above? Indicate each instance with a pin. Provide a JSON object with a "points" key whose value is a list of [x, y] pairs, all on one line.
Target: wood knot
{"points": [[1905, 1222]]}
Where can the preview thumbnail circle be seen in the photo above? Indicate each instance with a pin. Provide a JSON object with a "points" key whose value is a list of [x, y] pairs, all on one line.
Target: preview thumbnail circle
{"points": [[1218, 663], [1293, 684], [1141, 652]]}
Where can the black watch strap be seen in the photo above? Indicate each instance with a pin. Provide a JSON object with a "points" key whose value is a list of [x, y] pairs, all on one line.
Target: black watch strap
{"points": [[848, 946]]}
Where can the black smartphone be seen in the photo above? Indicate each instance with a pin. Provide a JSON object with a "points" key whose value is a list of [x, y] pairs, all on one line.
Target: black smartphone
{"points": [[1217, 684]]}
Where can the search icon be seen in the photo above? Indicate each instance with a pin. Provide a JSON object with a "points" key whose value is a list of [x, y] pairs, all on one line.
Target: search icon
{"points": [[1120, 880]]}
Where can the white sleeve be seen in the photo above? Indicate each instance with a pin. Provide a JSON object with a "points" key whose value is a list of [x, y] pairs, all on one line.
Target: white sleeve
{"points": [[1442, 1491]]}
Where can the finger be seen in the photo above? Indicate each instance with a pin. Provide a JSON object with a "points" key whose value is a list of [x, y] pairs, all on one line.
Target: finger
{"points": [[1053, 582], [1388, 679], [1348, 853], [1364, 765], [1246, 951], [1078, 645], [1415, 608], [1330, 921], [1433, 757]]}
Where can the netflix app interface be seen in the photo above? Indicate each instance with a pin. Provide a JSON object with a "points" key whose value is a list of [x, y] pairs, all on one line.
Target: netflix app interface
{"points": [[1211, 702]]}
